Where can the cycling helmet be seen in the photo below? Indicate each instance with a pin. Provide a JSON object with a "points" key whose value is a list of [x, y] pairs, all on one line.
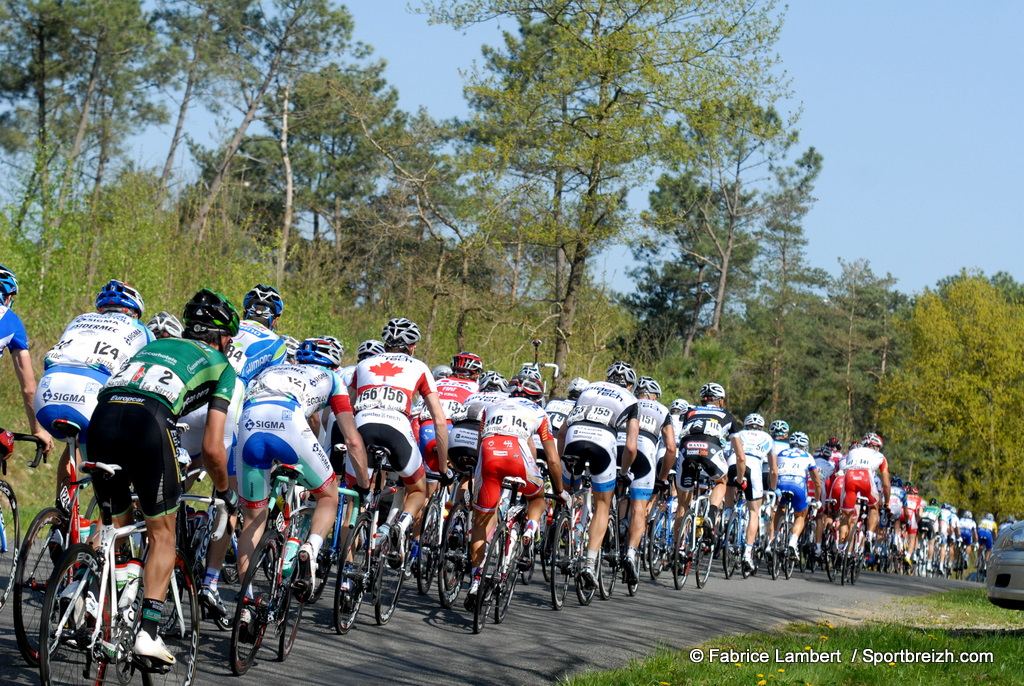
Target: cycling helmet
{"points": [[799, 439], [755, 420], [933, 501], [621, 373], [529, 370], [712, 391], [989, 515], [576, 387], [369, 349], [968, 515], [872, 440], [266, 298], [117, 294], [1011, 520], [400, 333], [648, 386], [679, 404], [823, 452], [291, 347], [336, 341], [898, 481], [441, 371], [325, 351], [834, 443], [8, 283], [493, 381], [467, 364], [210, 310], [165, 325], [524, 386], [778, 429]]}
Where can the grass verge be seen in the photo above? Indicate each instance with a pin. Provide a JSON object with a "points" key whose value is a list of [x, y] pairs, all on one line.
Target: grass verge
{"points": [[978, 643]]}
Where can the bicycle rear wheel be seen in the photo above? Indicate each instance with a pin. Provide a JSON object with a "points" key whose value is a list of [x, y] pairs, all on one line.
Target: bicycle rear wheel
{"points": [[390, 575], [253, 610], [561, 558], [429, 544], [10, 537], [828, 553], [656, 551], [608, 557], [732, 551], [453, 562], [68, 619], [288, 628], [489, 576], [508, 577], [179, 626], [349, 586], [788, 558], [704, 556], [39, 549], [681, 558]]}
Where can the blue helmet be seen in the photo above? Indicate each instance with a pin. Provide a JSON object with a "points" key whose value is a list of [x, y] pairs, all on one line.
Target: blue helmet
{"points": [[325, 351], [266, 296], [8, 284], [118, 294]]}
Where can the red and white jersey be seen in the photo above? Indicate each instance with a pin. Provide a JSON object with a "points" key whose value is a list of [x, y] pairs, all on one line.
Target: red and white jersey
{"points": [[453, 393], [516, 418], [864, 459], [389, 382], [913, 503]]}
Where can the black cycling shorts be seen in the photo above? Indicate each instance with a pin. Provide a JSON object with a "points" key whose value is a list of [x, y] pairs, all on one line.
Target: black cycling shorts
{"points": [[405, 458], [137, 433], [696, 454]]}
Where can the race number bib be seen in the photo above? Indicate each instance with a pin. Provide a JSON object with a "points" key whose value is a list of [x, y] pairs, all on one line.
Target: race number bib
{"points": [[506, 425], [591, 413], [649, 424], [153, 378], [382, 398]]}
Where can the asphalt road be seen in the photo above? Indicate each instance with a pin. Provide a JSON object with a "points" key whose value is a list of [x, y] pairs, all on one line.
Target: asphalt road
{"points": [[424, 643]]}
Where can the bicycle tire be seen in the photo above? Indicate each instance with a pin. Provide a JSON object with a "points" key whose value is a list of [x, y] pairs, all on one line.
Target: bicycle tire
{"points": [[454, 559], [348, 600], [487, 588], [30, 580], [788, 559], [264, 578], [608, 557], [704, 557], [179, 626], [732, 551], [288, 629], [389, 576], [508, 577], [10, 529], [61, 661], [828, 553], [561, 559], [429, 544], [680, 561]]}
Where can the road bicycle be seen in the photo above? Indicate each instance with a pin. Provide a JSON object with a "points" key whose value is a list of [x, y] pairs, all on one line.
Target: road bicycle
{"points": [[853, 557], [783, 557], [570, 534], [658, 538], [735, 537], [696, 541], [10, 522], [500, 569], [427, 558], [454, 558]]}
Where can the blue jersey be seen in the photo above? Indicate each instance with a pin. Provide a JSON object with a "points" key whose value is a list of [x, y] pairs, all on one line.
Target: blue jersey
{"points": [[12, 331], [254, 349]]}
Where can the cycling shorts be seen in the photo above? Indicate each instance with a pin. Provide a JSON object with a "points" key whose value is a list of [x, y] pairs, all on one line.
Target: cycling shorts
{"points": [[137, 433], [797, 485], [428, 446], [68, 393], [696, 454], [834, 490], [927, 528], [755, 486], [391, 430], [911, 521], [272, 432], [463, 444], [967, 536], [593, 444], [985, 538], [502, 457], [642, 486], [858, 482]]}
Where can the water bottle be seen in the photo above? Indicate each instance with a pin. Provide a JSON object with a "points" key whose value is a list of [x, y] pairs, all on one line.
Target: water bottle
{"points": [[513, 536], [84, 529], [291, 548], [503, 506], [130, 572]]}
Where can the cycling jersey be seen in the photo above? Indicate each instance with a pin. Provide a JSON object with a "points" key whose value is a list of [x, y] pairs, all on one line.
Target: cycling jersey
{"points": [[506, 450], [705, 431], [912, 511], [255, 348], [557, 410], [987, 529], [653, 418], [931, 513], [591, 433], [757, 445], [968, 527], [794, 466], [274, 427], [452, 392], [859, 468], [896, 497], [12, 331], [464, 439]]}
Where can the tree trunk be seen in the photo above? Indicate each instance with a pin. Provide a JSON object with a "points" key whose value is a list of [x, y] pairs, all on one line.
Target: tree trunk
{"points": [[567, 314], [83, 124], [694, 319], [289, 191], [179, 127]]}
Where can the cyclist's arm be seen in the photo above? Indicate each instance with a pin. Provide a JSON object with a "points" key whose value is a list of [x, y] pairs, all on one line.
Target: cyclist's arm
{"points": [[629, 451], [554, 464], [214, 456], [817, 482], [773, 469], [885, 482], [356, 449], [440, 429], [27, 379], [741, 455], [668, 436]]}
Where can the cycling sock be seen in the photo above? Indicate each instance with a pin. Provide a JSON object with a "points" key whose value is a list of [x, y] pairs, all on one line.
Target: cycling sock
{"points": [[316, 541], [212, 577], [152, 612], [591, 556], [631, 553], [529, 532], [792, 540], [713, 514]]}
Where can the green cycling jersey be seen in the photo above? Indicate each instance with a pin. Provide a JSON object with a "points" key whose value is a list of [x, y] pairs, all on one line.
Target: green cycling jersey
{"points": [[931, 512], [182, 374]]}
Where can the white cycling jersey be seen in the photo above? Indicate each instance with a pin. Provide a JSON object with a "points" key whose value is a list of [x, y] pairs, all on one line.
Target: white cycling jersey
{"points": [[103, 342], [310, 386]]}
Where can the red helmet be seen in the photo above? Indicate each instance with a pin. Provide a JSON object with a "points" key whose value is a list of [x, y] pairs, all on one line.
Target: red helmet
{"points": [[872, 440], [467, 364]]}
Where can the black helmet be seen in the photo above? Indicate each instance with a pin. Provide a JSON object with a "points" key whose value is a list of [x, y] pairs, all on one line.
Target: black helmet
{"points": [[210, 310]]}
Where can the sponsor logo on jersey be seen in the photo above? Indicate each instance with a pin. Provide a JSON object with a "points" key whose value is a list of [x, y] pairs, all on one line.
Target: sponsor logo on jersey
{"points": [[268, 425], [286, 415], [194, 366], [73, 398], [133, 335], [386, 369]]}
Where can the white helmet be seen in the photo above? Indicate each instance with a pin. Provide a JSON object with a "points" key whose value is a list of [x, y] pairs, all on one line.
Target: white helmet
{"points": [[754, 419], [400, 333], [576, 387]]}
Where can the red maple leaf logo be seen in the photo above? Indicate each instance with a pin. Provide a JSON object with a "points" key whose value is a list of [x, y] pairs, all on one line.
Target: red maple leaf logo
{"points": [[386, 369]]}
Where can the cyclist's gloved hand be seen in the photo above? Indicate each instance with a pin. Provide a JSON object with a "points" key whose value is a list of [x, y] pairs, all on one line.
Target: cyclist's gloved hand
{"points": [[6, 443], [778, 493], [662, 486], [449, 476], [625, 479], [362, 491], [566, 498], [231, 501]]}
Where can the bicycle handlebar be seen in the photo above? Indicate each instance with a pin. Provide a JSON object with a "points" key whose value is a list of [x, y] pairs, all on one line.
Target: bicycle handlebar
{"points": [[40, 447]]}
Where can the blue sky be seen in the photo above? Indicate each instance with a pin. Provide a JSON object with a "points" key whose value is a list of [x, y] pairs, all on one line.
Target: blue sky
{"points": [[915, 106]]}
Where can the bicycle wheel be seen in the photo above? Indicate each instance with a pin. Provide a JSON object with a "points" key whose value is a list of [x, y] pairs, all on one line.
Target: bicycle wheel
{"points": [[289, 624], [788, 558], [430, 539], [350, 584], [828, 556], [660, 542], [561, 558], [453, 562], [608, 557], [179, 626], [258, 600], [508, 577], [68, 620], [732, 551], [681, 558], [10, 537], [704, 556], [390, 575], [489, 574], [37, 555]]}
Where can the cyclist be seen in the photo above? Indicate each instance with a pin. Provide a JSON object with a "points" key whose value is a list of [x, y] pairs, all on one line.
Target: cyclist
{"points": [[279, 422], [506, 450], [655, 427], [558, 409], [795, 466], [947, 530], [589, 434], [133, 426], [968, 533], [464, 444], [165, 325], [912, 511], [987, 529], [14, 338], [897, 500], [758, 447], [706, 430], [930, 526], [861, 463], [383, 388], [93, 347]]}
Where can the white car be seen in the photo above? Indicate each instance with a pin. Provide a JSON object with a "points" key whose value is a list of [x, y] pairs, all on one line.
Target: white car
{"points": [[1005, 577]]}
